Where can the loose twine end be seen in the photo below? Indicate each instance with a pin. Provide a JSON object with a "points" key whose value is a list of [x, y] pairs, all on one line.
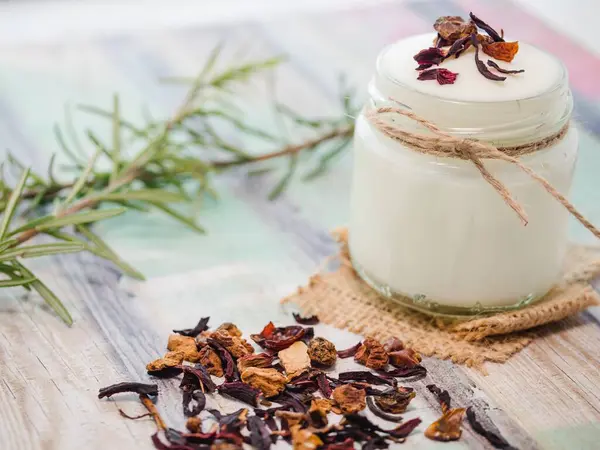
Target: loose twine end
{"points": [[446, 145]]}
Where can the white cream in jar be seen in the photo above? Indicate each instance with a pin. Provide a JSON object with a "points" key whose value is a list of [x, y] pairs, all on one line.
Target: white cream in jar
{"points": [[430, 231]]}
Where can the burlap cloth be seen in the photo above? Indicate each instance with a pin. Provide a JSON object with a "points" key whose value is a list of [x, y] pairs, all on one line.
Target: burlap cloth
{"points": [[340, 298]]}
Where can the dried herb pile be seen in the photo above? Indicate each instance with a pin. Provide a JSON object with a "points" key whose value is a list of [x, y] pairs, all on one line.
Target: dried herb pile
{"points": [[454, 37], [290, 391]]}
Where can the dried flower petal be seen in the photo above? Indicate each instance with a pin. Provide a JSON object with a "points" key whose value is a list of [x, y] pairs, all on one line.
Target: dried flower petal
{"points": [[310, 320], [240, 391], [263, 360], [363, 375], [371, 354], [395, 400], [393, 344], [405, 358], [197, 376], [171, 359], [292, 417], [303, 439], [348, 399], [295, 358], [210, 359], [501, 70], [194, 425], [276, 339], [128, 386], [260, 437], [493, 438], [429, 57], [322, 352], [483, 70], [504, 51], [235, 345], [323, 384], [447, 427], [185, 344], [403, 430], [381, 413], [442, 396], [197, 396], [485, 27], [201, 326], [451, 28], [443, 76], [268, 381], [226, 359], [404, 372], [317, 412], [349, 352]]}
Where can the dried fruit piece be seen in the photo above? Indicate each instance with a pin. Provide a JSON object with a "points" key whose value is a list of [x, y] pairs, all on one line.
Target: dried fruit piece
{"points": [[230, 328], [393, 344], [395, 400], [210, 359], [295, 358], [171, 359], [442, 76], [197, 376], [501, 70], [381, 413], [348, 399], [237, 346], [259, 360], [504, 51], [405, 358], [442, 395], [273, 338], [322, 352], [372, 354], [451, 28], [185, 344], [319, 407], [292, 417], [194, 425], [429, 57], [269, 381], [447, 427], [303, 439]]}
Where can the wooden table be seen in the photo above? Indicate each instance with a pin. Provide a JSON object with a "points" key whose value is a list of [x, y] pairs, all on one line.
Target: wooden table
{"points": [[547, 396]]}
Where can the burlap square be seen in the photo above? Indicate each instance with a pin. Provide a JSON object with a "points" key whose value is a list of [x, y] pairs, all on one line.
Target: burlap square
{"points": [[340, 298]]}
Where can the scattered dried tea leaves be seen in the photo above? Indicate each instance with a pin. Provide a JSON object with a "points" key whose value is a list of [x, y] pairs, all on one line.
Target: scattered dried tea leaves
{"points": [[428, 57], [485, 27], [128, 386], [371, 354], [349, 352], [406, 357], [348, 399], [501, 70], [322, 352], [259, 360], [194, 424], [395, 400], [240, 391], [170, 360], [185, 344], [452, 28], [295, 358], [210, 359], [504, 51], [447, 427], [310, 320], [234, 344], [201, 326], [269, 381]]}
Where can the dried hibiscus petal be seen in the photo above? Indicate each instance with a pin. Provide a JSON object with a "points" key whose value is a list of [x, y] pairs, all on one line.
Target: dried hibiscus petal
{"points": [[442, 76], [323, 384], [381, 413], [200, 400], [198, 376], [429, 57], [269, 381], [260, 437], [310, 320], [451, 28], [349, 352], [363, 375], [395, 400], [504, 51], [404, 372], [348, 399], [404, 358], [493, 438], [501, 70], [371, 354], [483, 70], [403, 430], [485, 27], [279, 338], [226, 359], [447, 427], [128, 386], [322, 352], [442, 396], [201, 326], [240, 391]]}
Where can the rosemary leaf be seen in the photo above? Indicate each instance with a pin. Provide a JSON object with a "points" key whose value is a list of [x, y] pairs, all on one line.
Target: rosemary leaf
{"points": [[149, 195], [82, 178], [9, 210], [191, 223], [116, 134], [79, 218], [17, 281], [33, 251]]}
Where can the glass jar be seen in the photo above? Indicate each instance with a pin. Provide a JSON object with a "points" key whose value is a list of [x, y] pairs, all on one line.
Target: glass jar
{"points": [[429, 231]]}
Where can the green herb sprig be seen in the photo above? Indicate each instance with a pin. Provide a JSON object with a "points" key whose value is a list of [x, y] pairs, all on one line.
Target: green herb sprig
{"points": [[165, 162]]}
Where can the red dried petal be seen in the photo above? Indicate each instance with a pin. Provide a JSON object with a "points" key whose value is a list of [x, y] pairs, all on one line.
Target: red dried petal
{"points": [[429, 57], [443, 76]]}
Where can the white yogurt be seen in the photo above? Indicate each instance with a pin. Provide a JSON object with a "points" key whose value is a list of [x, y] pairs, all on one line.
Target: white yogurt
{"points": [[431, 228]]}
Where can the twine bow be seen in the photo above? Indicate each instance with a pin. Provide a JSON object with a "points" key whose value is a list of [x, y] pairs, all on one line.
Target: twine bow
{"points": [[444, 144]]}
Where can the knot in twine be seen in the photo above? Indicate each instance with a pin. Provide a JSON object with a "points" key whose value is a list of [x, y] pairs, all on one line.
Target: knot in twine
{"points": [[446, 145]]}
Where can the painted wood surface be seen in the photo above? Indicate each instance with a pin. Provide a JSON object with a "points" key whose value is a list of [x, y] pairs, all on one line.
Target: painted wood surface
{"points": [[256, 251]]}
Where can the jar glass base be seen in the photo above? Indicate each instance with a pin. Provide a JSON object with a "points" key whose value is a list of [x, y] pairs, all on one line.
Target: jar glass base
{"points": [[429, 306]]}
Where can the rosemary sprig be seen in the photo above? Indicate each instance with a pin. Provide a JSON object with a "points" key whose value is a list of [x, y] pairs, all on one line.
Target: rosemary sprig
{"points": [[175, 162]]}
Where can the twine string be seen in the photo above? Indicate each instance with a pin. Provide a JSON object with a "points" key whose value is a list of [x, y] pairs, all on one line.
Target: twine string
{"points": [[444, 144]]}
